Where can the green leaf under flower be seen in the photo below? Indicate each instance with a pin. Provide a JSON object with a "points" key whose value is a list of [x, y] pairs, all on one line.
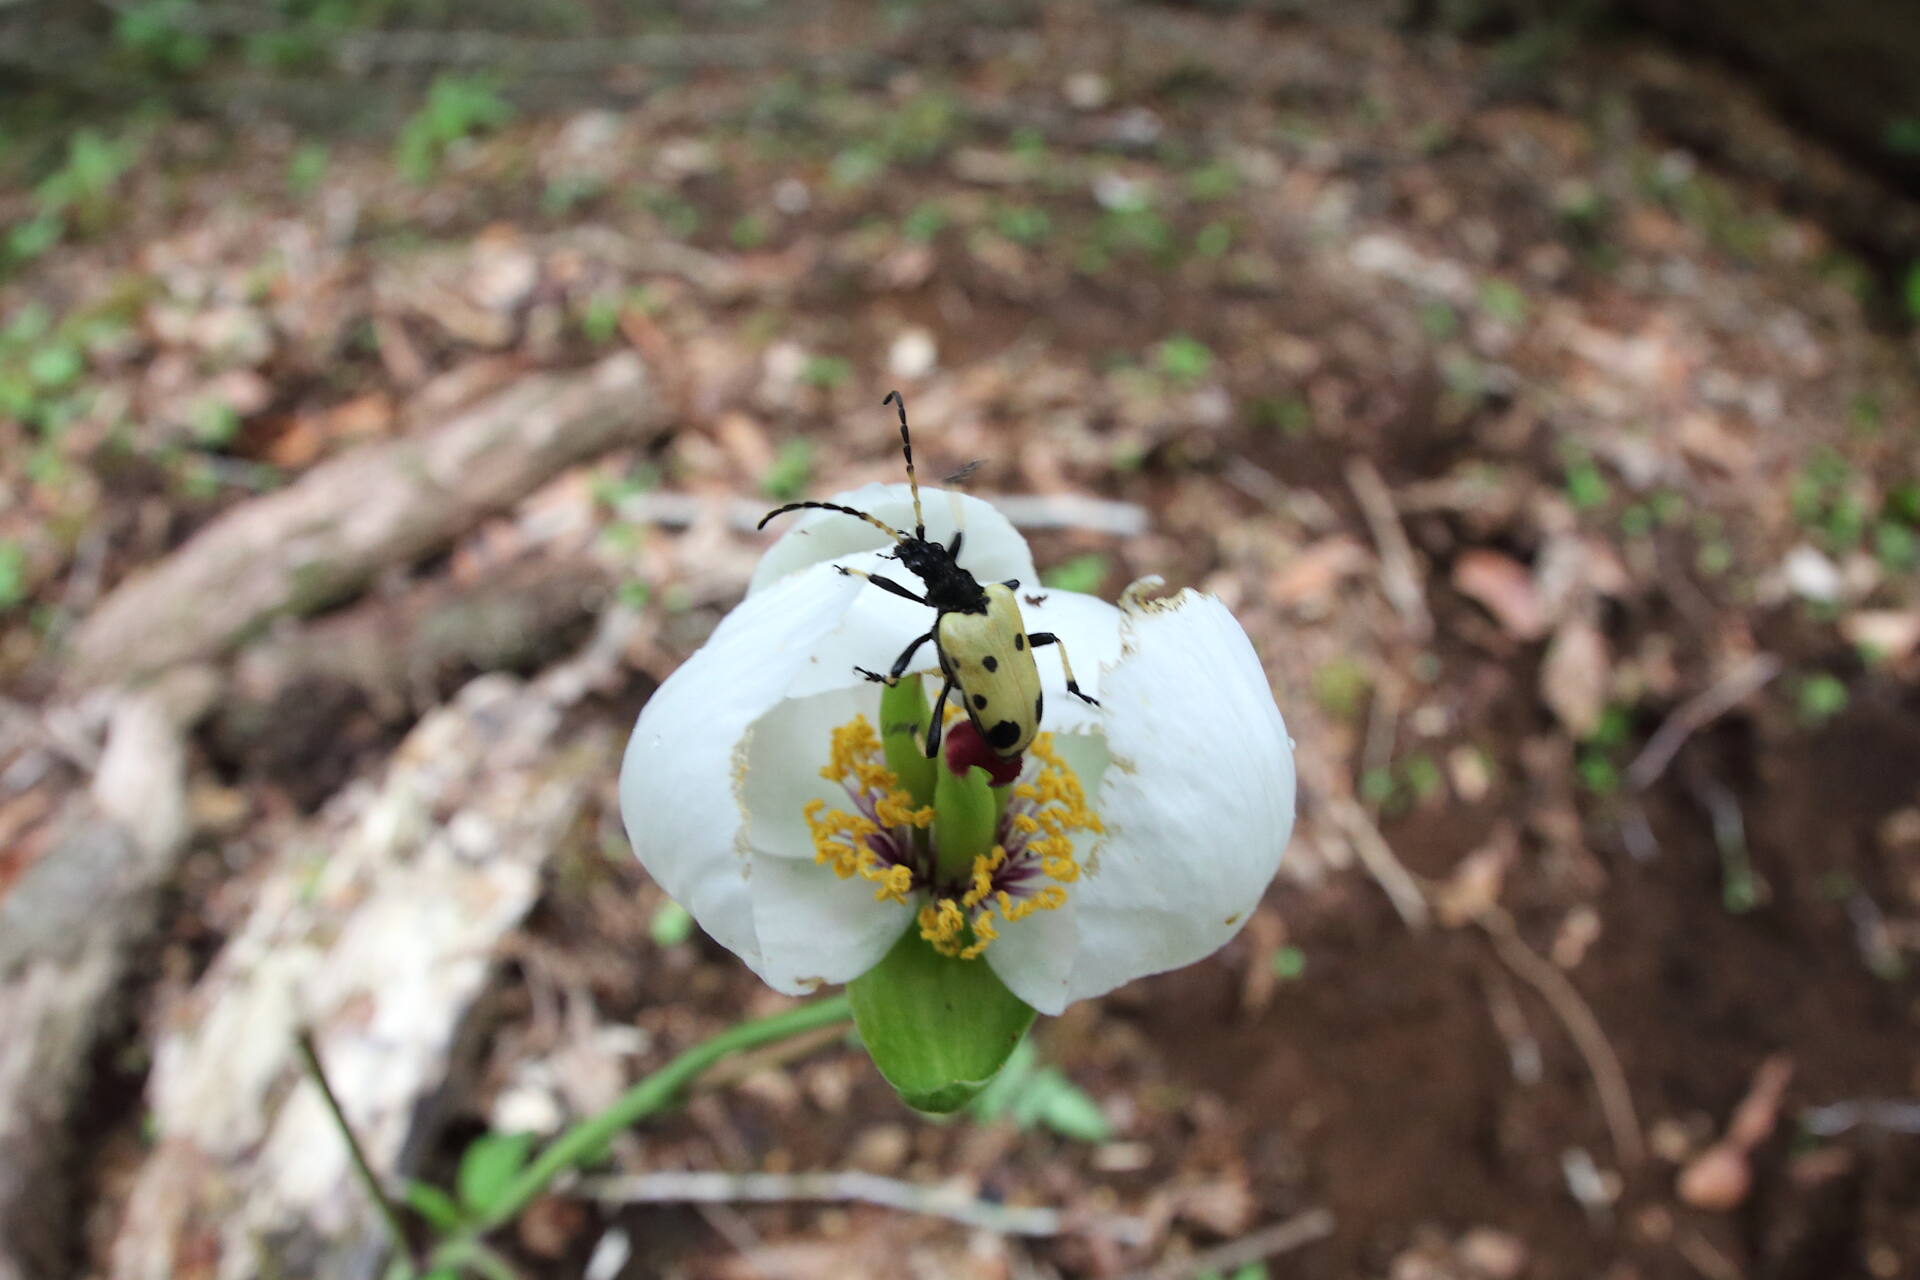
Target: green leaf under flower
{"points": [[939, 1028]]}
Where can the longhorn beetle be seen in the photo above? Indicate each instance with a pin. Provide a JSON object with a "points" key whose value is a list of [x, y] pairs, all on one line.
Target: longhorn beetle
{"points": [[984, 647]]}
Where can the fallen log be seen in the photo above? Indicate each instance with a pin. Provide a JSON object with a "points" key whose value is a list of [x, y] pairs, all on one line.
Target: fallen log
{"points": [[377, 927], [68, 931], [323, 537]]}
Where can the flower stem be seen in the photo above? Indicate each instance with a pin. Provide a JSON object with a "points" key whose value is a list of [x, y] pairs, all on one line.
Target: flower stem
{"points": [[389, 1216], [584, 1141]]}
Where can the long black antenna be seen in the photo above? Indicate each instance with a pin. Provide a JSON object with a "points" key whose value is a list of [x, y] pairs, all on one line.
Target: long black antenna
{"points": [[906, 447], [875, 521]]}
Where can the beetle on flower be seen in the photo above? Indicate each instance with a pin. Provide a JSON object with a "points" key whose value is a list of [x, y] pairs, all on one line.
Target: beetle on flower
{"points": [[785, 800]]}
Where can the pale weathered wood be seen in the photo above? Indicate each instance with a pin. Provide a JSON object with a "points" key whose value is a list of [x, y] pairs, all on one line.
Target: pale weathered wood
{"points": [[323, 537], [67, 931], [377, 925]]}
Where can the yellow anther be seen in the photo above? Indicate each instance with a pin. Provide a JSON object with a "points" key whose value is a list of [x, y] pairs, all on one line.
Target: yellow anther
{"points": [[1051, 813]]}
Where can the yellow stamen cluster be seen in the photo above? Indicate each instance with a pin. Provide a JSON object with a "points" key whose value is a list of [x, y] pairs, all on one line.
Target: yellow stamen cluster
{"points": [[840, 838], [1058, 808]]}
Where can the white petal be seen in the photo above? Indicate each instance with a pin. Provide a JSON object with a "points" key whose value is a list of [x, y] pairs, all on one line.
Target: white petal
{"points": [[1199, 801], [816, 928], [1035, 956], [876, 626], [1089, 628], [784, 752], [992, 550], [676, 783]]}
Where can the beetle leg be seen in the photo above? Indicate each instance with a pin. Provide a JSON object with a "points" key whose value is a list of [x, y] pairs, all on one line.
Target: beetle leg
{"points": [[938, 721], [1038, 638], [953, 548], [885, 584], [899, 664]]}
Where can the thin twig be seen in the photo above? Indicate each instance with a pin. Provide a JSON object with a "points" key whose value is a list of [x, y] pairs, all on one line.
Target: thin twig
{"points": [[1399, 571], [1696, 713], [1269, 1242], [651, 1094], [1589, 1037], [389, 1216], [947, 1202], [1706, 1259], [1377, 856], [1068, 511], [1523, 1048], [1894, 1115]]}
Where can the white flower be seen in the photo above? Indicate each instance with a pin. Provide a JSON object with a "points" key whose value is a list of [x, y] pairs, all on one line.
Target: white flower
{"points": [[1141, 834]]}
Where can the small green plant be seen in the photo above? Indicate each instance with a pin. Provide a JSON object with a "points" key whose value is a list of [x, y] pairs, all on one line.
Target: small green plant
{"points": [[1213, 240], [750, 231], [1439, 320], [1083, 573], [13, 573], [1216, 181], [926, 221], [1183, 359], [306, 167], [1023, 224], [671, 925], [1422, 776], [787, 478], [826, 372], [1597, 764], [1133, 228], [1289, 963], [1819, 698], [562, 195], [457, 108], [1903, 504], [1587, 487], [1502, 300], [1291, 416], [859, 166], [160, 33], [76, 196], [1252, 1271], [1896, 546], [1903, 136], [215, 424], [600, 318], [921, 129], [1341, 686], [1029, 1094], [1825, 503]]}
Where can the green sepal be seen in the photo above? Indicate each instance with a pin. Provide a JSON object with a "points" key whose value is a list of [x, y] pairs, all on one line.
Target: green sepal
{"points": [[903, 732], [966, 817], [939, 1028]]}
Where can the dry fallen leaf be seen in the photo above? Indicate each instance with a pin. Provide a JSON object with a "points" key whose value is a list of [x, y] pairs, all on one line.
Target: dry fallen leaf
{"points": [[1574, 678], [1474, 887], [1894, 634], [1314, 574], [1504, 588]]}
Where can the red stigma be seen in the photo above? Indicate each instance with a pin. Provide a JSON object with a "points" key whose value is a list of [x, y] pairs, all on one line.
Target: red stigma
{"points": [[966, 749]]}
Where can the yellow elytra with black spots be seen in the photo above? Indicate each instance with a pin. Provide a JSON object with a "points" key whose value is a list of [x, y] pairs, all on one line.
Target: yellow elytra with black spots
{"points": [[987, 658], [985, 649]]}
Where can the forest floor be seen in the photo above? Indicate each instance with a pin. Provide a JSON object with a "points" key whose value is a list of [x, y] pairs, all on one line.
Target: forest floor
{"points": [[1567, 483]]}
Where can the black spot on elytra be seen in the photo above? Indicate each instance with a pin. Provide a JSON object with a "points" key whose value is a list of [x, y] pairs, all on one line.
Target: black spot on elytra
{"points": [[1003, 735], [979, 702], [1020, 642], [990, 662], [1039, 700]]}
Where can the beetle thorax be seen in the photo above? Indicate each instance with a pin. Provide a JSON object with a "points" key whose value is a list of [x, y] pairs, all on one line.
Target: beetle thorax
{"points": [[950, 589]]}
